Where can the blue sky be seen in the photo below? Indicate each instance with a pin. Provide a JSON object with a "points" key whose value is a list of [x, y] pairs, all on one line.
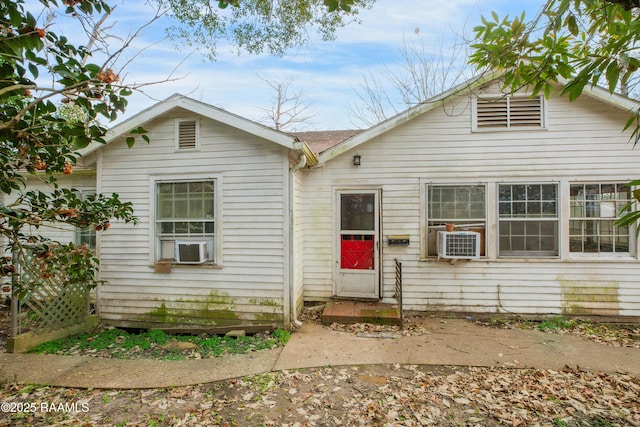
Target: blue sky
{"points": [[327, 73]]}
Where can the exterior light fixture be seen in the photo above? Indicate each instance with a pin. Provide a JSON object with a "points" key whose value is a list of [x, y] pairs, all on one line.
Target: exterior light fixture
{"points": [[356, 160]]}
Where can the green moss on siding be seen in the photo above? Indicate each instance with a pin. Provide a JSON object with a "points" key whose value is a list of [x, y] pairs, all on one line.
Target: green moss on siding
{"points": [[217, 308], [593, 298], [264, 302], [269, 317], [160, 311]]}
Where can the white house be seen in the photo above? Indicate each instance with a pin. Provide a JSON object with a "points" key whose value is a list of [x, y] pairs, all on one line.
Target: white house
{"points": [[535, 183], [216, 196], [239, 223]]}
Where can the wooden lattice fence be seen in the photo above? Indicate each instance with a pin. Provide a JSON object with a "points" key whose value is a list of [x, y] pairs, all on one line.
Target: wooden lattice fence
{"points": [[43, 303]]}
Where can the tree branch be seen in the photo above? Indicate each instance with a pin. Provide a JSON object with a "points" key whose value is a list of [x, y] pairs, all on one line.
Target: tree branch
{"points": [[12, 88], [626, 4]]}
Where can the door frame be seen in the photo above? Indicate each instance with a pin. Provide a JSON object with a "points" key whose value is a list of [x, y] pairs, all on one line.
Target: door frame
{"points": [[376, 273]]}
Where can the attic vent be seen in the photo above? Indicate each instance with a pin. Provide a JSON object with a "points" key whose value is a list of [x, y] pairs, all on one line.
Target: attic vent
{"points": [[509, 112], [187, 135]]}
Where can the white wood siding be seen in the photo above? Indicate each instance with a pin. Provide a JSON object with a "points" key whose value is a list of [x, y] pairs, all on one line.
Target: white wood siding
{"points": [[247, 285], [582, 142], [81, 180]]}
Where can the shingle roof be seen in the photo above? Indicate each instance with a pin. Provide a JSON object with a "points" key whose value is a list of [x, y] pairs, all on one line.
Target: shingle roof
{"points": [[320, 141]]}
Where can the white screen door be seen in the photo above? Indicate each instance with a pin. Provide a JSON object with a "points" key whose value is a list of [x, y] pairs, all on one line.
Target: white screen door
{"points": [[358, 231]]}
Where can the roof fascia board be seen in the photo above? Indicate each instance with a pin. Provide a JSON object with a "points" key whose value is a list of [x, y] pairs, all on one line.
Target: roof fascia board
{"points": [[614, 99], [239, 122], [205, 110], [133, 122]]}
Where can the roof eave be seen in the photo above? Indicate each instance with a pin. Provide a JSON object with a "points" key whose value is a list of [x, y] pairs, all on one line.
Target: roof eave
{"points": [[614, 99], [180, 101]]}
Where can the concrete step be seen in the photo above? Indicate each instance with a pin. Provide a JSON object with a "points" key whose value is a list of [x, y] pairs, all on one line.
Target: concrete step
{"points": [[348, 312]]}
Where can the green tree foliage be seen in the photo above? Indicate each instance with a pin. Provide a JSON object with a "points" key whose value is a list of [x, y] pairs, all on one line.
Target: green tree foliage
{"points": [[257, 26], [39, 70], [584, 43]]}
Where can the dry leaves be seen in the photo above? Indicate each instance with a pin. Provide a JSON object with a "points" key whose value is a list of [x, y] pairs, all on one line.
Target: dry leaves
{"points": [[622, 335], [380, 395], [613, 335], [389, 395]]}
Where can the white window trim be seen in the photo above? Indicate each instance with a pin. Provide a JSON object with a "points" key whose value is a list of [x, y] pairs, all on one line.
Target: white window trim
{"points": [[78, 229], [564, 217], [634, 241], [218, 233], [562, 224], [177, 135], [424, 217], [474, 114]]}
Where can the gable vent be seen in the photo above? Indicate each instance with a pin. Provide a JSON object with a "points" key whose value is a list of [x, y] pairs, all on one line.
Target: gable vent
{"points": [[187, 135], [509, 112]]}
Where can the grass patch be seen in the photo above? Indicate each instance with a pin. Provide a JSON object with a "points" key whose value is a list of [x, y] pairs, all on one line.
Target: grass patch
{"points": [[555, 324], [156, 344]]}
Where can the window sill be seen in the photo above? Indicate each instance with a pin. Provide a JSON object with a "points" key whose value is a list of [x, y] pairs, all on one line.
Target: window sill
{"points": [[448, 260], [601, 257], [510, 129], [187, 150], [583, 259], [176, 265]]}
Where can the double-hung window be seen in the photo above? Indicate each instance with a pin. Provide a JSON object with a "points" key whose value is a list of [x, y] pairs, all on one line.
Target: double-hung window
{"points": [[595, 207], [528, 220], [185, 212], [461, 205]]}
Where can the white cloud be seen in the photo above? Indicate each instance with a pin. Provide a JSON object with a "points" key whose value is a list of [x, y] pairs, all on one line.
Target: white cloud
{"points": [[324, 71]]}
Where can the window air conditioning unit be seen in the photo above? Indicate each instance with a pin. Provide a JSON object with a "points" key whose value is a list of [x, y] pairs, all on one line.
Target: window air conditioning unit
{"points": [[458, 244], [191, 252]]}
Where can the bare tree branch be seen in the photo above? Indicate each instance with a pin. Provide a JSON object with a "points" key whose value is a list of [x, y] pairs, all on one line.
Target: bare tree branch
{"points": [[289, 109], [423, 73]]}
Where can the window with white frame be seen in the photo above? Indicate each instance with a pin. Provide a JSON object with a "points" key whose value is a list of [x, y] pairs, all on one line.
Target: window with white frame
{"points": [[508, 112], [528, 220], [462, 205], [187, 135], [595, 207], [185, 212], [87, 235]]}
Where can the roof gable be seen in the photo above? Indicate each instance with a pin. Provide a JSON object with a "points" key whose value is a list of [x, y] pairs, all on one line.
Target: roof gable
{"points": [[464, 88], [180, 101]]}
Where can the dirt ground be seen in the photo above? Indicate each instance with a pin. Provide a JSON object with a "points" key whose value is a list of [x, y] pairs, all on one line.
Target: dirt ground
{"points": [[380, 395]]}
